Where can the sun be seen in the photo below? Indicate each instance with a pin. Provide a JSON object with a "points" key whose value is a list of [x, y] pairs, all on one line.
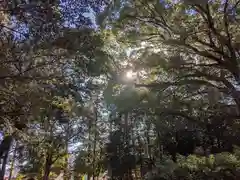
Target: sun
{"points": [[130, 74]]}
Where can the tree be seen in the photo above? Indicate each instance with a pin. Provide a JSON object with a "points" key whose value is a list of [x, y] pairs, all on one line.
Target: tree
{"points": [[198, 44], [38, 64], [151, 79], [185, 55]]}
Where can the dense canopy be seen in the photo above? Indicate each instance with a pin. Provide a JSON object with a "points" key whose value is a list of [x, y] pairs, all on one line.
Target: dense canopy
{"points": [[120, 89]]}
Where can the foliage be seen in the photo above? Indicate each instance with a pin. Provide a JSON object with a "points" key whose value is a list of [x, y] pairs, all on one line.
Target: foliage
{"points": [[122, 86], [220, 166], [185, 54]]}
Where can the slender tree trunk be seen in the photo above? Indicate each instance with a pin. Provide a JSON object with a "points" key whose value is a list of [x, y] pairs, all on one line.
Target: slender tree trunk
{"points": [[94, 143], [66, 170], [89, 146], [4, 164], [149, 150], [141, 164], [47, 168], [13, 162], [5, 147], [127, 141], [160, 146], [48, 127]]}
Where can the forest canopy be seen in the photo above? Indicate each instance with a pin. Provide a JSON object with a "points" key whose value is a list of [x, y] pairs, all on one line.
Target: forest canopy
{"points": [[119, 89]]}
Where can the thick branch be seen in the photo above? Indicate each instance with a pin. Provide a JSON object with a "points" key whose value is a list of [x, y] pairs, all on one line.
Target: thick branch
{"points": [[205, 54], [232, 90]]}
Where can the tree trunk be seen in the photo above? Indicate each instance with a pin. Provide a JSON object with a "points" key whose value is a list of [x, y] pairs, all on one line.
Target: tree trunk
{"points": [[94, 143], [13, 162], [66, 171], [149, 150], [89, 147], [47, 167], [4, 164], [4, 148]]}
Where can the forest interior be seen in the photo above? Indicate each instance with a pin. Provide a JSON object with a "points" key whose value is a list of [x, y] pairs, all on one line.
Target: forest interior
{"points": [[120, 90]]}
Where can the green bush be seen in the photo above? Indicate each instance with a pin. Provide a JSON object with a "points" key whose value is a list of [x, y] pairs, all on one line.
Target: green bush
{"points": [[218, 166]]}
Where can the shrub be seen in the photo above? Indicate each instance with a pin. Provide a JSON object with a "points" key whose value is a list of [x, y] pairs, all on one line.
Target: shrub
{"points": [[218, 166]]}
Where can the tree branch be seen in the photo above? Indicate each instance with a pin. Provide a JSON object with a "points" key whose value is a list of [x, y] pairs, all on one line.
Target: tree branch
{"points": [[205, 54], [13, 30]]}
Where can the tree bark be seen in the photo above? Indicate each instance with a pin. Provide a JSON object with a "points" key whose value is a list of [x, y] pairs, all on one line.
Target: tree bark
{"points": [[5, 147], [4, 164], [47, 168], [66, 171], [89, 147], [13, 162], [94, 144]]}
